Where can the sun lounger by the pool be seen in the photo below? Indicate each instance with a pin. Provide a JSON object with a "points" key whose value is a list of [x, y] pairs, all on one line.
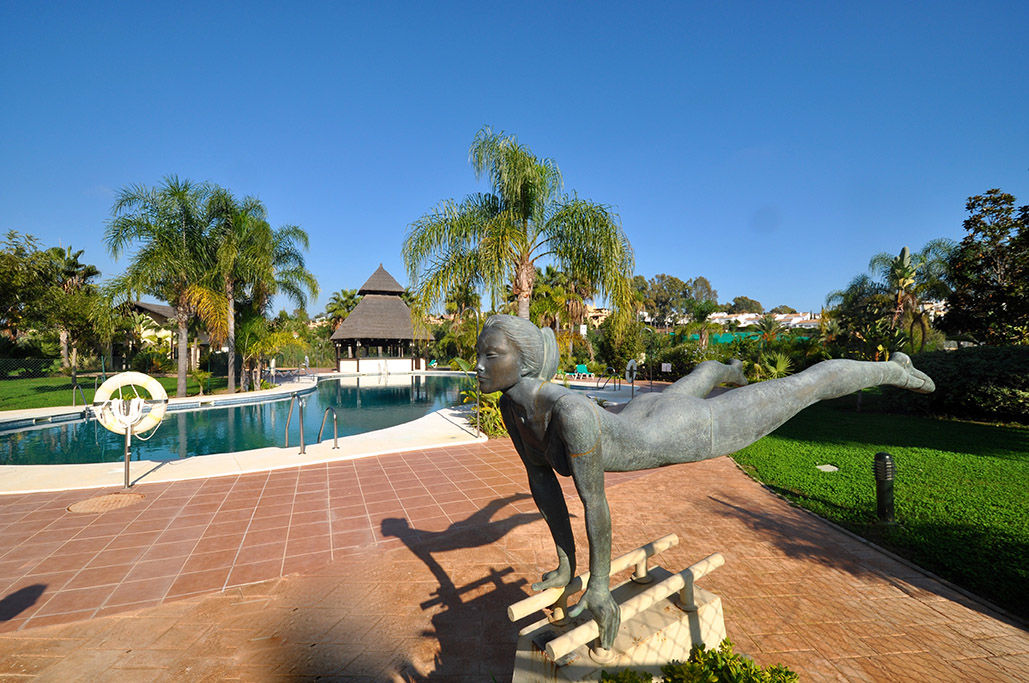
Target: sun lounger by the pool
{"points": [[582, 372]]}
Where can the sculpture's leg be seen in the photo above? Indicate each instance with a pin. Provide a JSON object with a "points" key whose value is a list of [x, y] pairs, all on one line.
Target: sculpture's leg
{"points": [[706, 376], [742, 416]]}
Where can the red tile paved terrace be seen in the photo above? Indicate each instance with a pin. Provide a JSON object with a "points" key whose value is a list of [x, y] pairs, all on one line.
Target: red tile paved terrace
{"points": [[401, 567]]}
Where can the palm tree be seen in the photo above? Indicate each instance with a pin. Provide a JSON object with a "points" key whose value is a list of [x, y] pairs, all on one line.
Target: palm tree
{"points": [[285, 272], [912, 279], [491, 239], [250, 261], [773, 365], [769, 328], [170, 224], [700, 311], [72, 276], [549, 298], [340, 305]]}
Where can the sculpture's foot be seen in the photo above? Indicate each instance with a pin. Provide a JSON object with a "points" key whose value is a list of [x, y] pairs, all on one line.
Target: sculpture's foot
{"points": [[915, 380], [557, 578], [736, 376]]}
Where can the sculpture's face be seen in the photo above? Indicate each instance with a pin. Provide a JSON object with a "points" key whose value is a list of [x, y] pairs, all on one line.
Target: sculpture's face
{"points": [[499, 364]]}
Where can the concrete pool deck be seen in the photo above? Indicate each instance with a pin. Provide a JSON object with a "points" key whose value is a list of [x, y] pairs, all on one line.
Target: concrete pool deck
{"points": [[446, 427]]}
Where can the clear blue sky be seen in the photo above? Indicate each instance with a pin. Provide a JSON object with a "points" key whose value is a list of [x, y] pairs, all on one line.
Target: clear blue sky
{"points": [[771, 147]]}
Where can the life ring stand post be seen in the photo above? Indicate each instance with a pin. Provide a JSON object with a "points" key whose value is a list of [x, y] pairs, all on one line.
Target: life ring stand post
{"points": [[128, 457]]}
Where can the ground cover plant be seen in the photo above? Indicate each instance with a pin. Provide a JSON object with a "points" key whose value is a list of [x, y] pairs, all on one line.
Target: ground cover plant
{"points": [[708, 666], [961, 494], [47, 392]]}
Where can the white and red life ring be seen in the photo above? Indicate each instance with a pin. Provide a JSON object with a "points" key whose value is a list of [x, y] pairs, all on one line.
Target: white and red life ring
{"points": [[158, 400]]}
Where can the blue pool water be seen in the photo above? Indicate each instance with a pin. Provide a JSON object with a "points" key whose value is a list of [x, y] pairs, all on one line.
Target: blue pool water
{"points": [[362, 405]]}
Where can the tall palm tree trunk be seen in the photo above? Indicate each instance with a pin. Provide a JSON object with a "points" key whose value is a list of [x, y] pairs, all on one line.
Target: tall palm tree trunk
{"points": [[180, 384], [230, 336], [64, 347], [524, 276]]}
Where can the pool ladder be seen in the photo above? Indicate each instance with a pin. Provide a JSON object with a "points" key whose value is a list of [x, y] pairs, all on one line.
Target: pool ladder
{"points": [[289, 418], [607, 379]]}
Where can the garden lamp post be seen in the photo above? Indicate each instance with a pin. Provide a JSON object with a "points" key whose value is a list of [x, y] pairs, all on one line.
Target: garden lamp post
{"points": [[884, 472]]}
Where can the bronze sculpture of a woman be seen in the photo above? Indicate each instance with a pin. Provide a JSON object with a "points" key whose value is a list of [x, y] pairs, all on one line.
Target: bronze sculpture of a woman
{"points": [[559, 431]]}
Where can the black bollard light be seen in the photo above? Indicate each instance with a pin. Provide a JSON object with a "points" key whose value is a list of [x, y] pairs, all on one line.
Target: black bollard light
{"points": [[884, 471]]}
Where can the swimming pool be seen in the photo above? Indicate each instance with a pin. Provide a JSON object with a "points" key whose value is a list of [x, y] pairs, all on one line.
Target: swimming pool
{"points": [[361, 404]]}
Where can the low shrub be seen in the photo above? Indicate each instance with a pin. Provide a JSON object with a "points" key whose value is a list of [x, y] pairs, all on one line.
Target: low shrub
{"points": [[980, 382], [709, 666]]}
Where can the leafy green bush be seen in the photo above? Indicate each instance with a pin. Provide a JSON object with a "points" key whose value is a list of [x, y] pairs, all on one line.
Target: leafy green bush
{"points": [[709, 666], [979, 382], [202, 378], [490, 421], [151, 361], [682, 357]]}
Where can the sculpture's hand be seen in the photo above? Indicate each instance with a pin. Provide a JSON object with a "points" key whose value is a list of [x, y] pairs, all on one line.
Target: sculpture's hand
{"points": [[598, 600]]}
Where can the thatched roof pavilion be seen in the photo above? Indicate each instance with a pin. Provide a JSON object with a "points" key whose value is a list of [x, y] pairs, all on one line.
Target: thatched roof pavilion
{"points": [[379, 327]]}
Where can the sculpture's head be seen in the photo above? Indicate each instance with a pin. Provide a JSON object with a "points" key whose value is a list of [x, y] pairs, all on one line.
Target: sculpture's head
{"points": [[511, 348]]}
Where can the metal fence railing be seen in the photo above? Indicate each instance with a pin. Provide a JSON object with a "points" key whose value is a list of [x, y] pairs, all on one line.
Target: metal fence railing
{"points": [[25, 368], [19, 368], [28, 368]]}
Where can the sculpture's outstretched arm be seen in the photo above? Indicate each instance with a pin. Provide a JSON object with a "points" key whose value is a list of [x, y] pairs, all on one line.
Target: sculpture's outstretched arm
{"points": [[550, 500], [577, 422]]}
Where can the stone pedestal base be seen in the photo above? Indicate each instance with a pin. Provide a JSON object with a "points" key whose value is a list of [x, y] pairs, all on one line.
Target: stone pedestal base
{"points": [[652, 638]]}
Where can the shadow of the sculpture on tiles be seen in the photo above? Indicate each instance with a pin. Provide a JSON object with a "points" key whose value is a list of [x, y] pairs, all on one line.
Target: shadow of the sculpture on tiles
{"points": [[806, 537], [452, 627], [20, 600], [472, 629]]}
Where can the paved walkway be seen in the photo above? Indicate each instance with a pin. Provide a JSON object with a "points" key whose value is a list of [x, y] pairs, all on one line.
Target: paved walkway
{"points": [[401, 567]]}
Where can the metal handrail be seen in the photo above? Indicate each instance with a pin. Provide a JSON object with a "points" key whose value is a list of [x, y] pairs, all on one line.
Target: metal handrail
{"points": [[610, 375], [335, 429], [81, 393], [289, 417]]}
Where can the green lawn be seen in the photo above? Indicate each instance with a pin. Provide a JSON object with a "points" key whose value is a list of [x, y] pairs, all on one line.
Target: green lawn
{"points": [[962, 489], [44, 392]]}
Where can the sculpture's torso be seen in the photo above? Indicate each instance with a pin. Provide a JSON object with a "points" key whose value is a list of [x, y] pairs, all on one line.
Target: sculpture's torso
{"points": [[649, 432]]}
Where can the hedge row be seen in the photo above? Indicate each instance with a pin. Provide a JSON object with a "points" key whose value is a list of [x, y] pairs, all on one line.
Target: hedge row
{"points": [[982, 383]]}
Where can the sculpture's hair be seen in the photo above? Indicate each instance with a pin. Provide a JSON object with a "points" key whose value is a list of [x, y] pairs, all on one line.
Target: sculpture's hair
{"points": [[537, 346]]}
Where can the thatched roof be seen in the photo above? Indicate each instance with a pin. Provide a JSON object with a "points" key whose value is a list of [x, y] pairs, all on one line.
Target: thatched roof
{"points": [[378, 316], [381, 282]]}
